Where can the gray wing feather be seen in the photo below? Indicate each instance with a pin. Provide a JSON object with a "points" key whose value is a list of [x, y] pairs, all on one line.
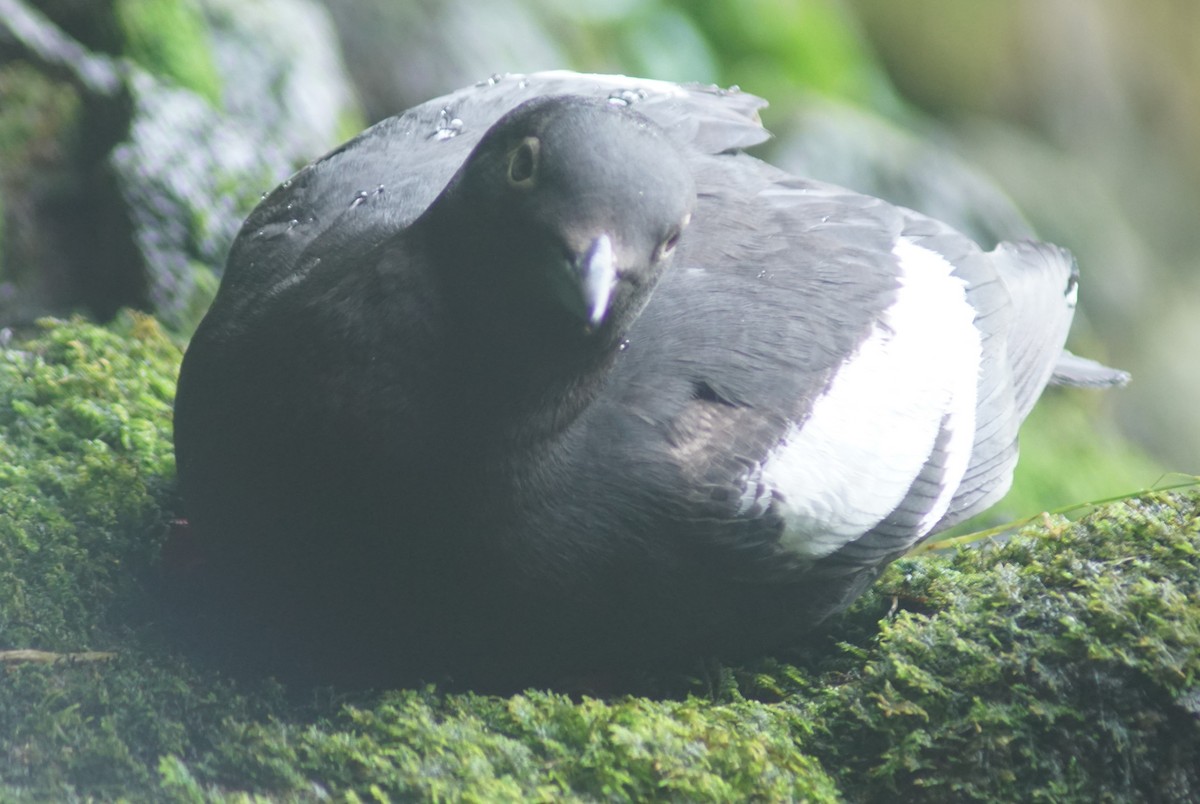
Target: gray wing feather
{"points": [[1023, 340], [1042, 280]]}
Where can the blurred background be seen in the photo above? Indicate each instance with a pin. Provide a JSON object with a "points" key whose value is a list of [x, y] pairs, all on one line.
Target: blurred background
{"points": [[1077, 120]]}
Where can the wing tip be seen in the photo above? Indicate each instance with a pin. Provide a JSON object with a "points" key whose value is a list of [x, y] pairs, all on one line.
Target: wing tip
{"points": [[1026, 254]]}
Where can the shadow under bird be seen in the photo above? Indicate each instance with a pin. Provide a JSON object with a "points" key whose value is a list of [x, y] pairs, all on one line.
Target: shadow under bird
{"points": [[547, 378]]}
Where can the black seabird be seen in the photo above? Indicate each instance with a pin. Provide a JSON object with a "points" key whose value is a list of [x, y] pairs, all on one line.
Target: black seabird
{"points": [[548, 377]]}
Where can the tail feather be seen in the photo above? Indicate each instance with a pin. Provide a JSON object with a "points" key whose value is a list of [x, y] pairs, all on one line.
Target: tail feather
{"points": [[1080, 372]]}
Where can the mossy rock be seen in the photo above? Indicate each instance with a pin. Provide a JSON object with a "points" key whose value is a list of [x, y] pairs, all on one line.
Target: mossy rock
{"points": [[168, 38], [39, 132], [129, 163], [1062, 664]]}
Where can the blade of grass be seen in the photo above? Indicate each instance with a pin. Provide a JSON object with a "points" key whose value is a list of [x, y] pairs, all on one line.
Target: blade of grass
{"points": [[1191, 481]]}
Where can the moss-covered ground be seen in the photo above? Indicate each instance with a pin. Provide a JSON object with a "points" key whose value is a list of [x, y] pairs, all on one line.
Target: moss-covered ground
{"points": [[1061, 665]]}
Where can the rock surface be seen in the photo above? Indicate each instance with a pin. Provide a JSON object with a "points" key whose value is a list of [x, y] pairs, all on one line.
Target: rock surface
{"points": [[129, 162]]}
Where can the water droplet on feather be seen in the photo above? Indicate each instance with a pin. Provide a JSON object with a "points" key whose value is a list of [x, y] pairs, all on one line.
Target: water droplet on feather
{"points": [[626, 97]]}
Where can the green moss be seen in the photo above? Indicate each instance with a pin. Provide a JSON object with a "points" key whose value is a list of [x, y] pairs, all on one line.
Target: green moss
{"points": [[78, 731], [168, 38], [545, 747], [39, 127], [85, 457], [39, 135], [38, 117], [86, 469], [1062, 665]]}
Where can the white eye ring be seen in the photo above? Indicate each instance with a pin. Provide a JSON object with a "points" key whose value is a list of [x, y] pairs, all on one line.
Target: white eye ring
{"points": [[523, 163]]}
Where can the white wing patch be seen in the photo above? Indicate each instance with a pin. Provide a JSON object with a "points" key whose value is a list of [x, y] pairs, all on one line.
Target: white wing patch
{"points": [[853, 460]]}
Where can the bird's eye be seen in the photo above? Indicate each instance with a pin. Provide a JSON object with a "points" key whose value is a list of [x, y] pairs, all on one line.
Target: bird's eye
{"points": [[667, 246], [522, 163], [671, 242]]}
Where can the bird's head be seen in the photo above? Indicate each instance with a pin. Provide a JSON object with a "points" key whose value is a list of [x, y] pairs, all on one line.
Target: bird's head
{"points": [[573, 207]]}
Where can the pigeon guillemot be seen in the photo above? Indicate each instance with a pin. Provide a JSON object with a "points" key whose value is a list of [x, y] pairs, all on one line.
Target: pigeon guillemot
{"points": [[547, 376]]}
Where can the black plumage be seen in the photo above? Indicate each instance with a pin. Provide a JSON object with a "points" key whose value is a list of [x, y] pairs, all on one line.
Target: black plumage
{"points": [[503, 401]]}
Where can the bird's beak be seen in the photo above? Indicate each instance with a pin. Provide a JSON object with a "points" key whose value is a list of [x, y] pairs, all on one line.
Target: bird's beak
{"points": [[597, 278]]}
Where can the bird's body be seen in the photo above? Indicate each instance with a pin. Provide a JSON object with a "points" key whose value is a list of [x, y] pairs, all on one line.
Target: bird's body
{"points": [[408, 440]]}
